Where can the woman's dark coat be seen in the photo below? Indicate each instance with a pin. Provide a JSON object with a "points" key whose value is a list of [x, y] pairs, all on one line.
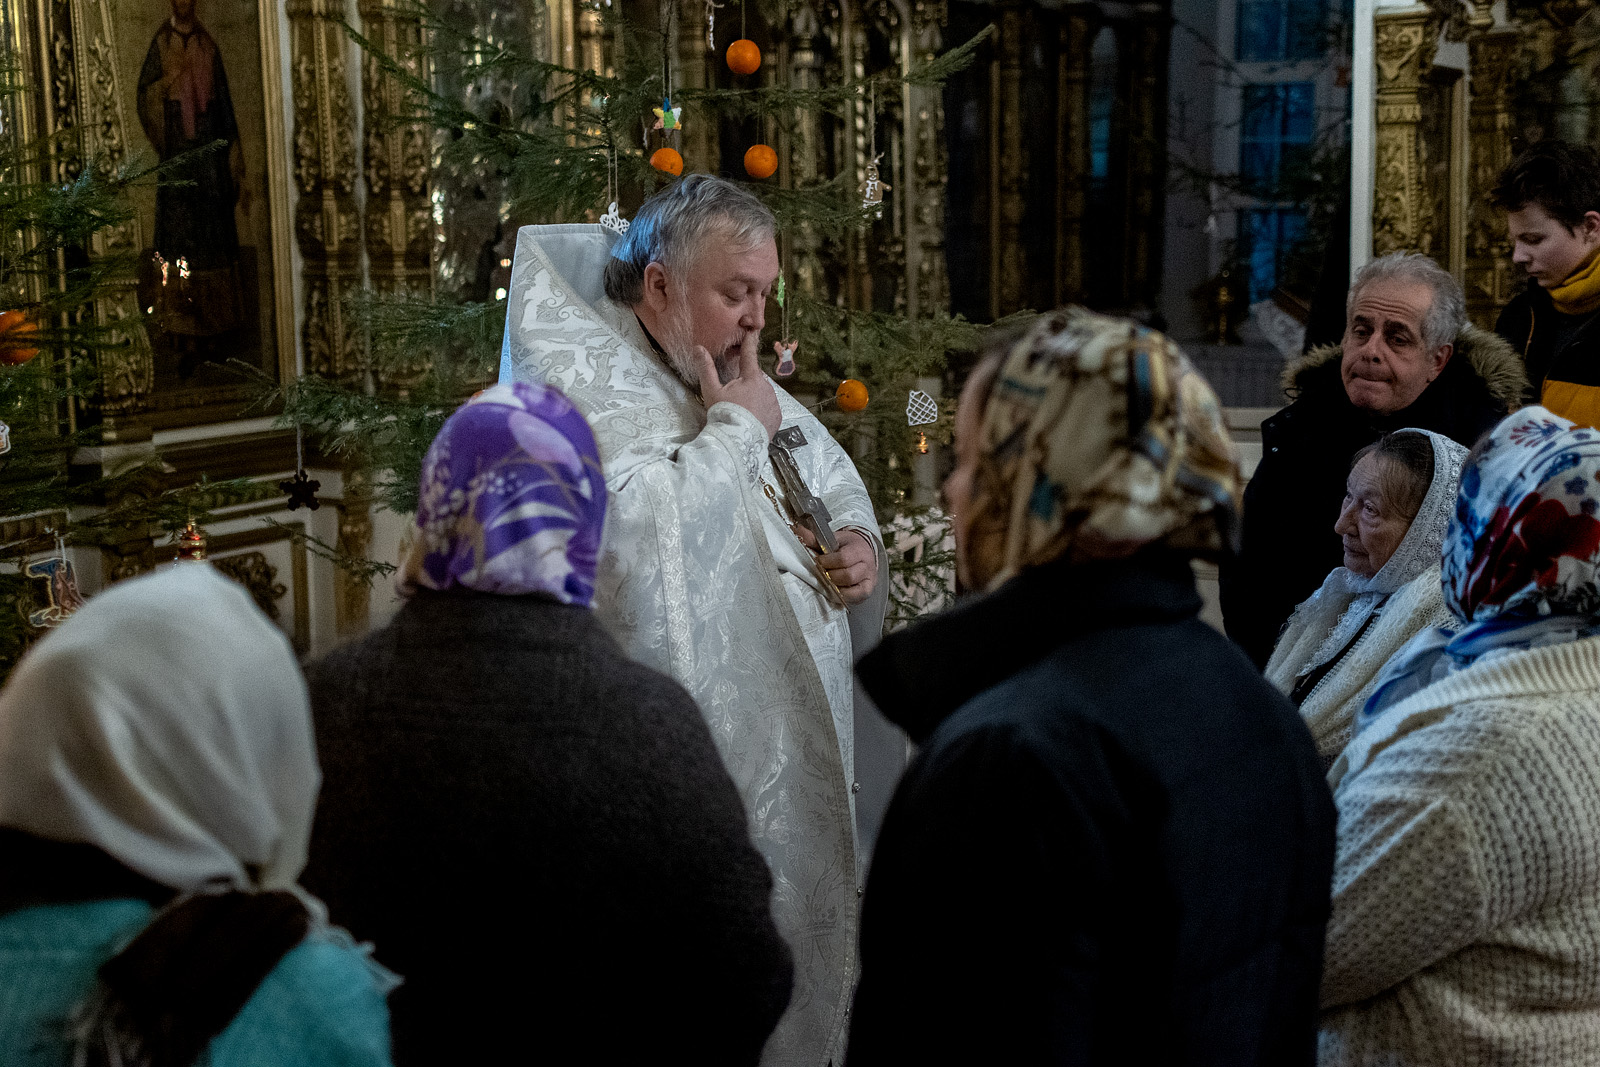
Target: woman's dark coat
{"points": [[1287, 541], [1114, 847], [540, 836]]}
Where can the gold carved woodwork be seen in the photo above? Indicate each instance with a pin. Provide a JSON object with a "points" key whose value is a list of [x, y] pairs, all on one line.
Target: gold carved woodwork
{"points": [[327, 225], [397, 156], [1490, 277], [1403, 45], [926, 178], [259, 578], [1072, 152]]}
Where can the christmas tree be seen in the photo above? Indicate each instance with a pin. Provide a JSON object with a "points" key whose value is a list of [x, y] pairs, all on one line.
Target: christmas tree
{"points": [[56, 202], [540, 141]]}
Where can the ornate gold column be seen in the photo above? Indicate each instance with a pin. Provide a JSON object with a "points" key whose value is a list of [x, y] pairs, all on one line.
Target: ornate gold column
{"points": [[1489, 281], [399, 218], [1404, 46], [1072, 152], [352, 597], [798, 151], [327, 225]]}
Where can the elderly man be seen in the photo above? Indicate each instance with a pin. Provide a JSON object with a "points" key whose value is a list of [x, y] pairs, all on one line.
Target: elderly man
{"points": [[1408, 358], [708, 571]]}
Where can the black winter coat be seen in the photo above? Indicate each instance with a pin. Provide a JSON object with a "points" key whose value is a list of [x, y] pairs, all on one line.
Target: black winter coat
{"points": [[540, 836], [1563, 347], [1287, 543], [1114, 847]]}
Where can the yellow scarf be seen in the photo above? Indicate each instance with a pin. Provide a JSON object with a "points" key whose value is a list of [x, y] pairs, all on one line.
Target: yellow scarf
{"points": [[1580, 293]]}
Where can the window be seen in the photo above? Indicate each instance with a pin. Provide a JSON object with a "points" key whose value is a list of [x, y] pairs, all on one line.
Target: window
{"points": [[1279, 122], [1269, 237], [1281, 30]]}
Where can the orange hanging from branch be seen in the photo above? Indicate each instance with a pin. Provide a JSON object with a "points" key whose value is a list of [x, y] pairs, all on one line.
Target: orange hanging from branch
{"points": [[18, 338], [667, 161], [744, 56], [851, 394], [760, 161]]}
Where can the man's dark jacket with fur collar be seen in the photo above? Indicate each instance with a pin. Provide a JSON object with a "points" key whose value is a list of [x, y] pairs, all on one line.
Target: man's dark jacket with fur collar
{"points": [[1291, 504]]}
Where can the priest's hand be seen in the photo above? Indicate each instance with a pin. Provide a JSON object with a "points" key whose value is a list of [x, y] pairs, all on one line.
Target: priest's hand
{"points": [[749, 387], [854, 568]]}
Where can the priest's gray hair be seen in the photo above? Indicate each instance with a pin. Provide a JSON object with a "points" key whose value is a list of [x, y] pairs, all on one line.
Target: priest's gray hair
{"points": [[671, 227], [1446, 316]]}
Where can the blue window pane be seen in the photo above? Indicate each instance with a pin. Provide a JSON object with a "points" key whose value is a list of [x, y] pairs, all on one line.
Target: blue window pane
{"points": [[1269, 236], [1260, 32], [1261, 119], [1258, 163], [1305, 30], [1299, 111]]}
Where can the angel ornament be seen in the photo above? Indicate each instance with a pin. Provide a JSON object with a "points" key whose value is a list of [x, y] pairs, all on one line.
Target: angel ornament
{"points": [[873, 197], [785, 351]]}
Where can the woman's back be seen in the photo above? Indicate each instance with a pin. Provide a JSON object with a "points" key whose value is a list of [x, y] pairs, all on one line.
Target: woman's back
{"points": [[321, 1004]]}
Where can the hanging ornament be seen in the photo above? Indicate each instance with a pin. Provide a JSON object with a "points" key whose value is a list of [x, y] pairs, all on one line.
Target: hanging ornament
{"points": [[744, 57], [760, 161], [921, 409], [60, 587], [785, 351], [667, 116], [302, 488], [711, 24], [5, 439], [851, 394], [18, 338], [872, 197], [667, 161], [615, 222], [191, 542], [922, 443]]}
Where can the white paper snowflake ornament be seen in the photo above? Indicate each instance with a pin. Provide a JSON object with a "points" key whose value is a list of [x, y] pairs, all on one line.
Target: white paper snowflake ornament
{"points": [[613, 221], [921, 409]]}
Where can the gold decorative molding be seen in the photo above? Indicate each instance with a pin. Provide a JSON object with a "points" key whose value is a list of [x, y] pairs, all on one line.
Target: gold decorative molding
{"points": [[397, 157], [352, 597], [1072, 151], [327, 225], [1403, 51], [259, 578], [1008, 164], [1489, 280], [923, 114]]}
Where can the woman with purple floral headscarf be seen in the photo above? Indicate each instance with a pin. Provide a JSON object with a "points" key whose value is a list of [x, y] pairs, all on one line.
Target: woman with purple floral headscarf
{"points": [[1466, 889], [501, 785]]}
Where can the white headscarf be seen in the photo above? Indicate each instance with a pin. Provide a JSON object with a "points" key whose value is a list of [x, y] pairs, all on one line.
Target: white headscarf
{"points": [[1331, 617], [167, 723]]}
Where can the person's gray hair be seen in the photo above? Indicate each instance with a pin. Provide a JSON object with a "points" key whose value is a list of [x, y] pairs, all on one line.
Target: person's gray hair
{"points": [[1447, 314], [671, 227]]}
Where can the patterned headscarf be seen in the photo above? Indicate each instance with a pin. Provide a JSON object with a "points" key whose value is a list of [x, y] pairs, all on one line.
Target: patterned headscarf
{"points": [[1525, 539], [512, 499], [1520, 556], [1100, 438]]}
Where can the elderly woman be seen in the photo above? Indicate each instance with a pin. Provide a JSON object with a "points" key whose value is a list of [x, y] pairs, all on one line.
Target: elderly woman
{"points": [[157, 779], [538, 831], [1115, 843], [1466, 904], [1397, 502]]}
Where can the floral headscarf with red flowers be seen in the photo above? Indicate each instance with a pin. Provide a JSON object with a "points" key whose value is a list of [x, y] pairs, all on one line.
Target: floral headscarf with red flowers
{"points": [[1521, 565], [1525, 539]]}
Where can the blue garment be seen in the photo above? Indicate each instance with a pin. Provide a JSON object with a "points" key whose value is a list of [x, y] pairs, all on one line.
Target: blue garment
{"points": [[322, 1006]]}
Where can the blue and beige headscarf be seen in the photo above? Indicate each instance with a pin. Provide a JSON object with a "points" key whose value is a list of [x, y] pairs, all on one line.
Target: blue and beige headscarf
{"points": [[512, 500], [1521, 564], [1099, 438]]}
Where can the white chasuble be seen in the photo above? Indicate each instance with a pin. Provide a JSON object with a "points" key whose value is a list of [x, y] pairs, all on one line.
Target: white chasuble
{"points": [[701, 580]]}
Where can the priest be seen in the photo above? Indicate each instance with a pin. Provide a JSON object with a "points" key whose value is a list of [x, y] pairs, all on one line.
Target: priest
{"points": [[740, 555]]}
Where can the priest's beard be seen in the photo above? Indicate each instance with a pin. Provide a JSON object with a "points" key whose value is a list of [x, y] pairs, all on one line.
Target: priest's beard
{"points": [[677, 342]]}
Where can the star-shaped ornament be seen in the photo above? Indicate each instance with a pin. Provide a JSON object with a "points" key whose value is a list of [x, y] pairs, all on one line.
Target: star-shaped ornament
{"points": [[302, 491]]}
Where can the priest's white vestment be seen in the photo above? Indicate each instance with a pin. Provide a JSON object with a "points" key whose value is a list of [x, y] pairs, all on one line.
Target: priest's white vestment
{"points": [[701, 579]]}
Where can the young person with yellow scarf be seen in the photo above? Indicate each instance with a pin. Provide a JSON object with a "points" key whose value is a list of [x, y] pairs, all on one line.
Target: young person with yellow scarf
{"points": [[1551, 194]]}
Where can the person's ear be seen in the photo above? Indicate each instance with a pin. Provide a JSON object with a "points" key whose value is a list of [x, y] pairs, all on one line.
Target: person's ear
{"points": [[656, 297], [1440, 358], [1589, 228]]}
